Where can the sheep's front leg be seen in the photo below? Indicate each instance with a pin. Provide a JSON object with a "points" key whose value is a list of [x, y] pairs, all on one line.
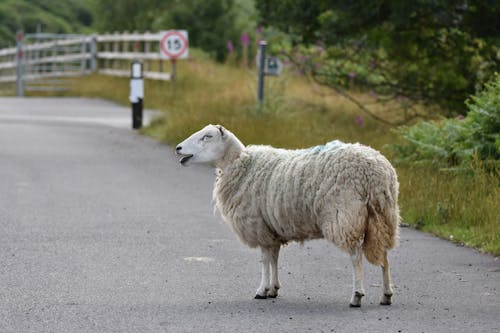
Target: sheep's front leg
{"points": [[387, 296], [269, 283], [357, 273], [275, 282], [265, 280]]}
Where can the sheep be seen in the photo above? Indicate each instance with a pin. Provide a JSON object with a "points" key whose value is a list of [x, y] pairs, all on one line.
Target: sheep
{"points": [[345, 193]]}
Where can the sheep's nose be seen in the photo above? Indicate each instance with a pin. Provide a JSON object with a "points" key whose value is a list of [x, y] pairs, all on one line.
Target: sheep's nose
{"points": [[178, 148]]}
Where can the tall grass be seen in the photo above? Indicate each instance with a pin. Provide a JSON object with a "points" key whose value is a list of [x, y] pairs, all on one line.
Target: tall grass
{"points": [[460, 207]]}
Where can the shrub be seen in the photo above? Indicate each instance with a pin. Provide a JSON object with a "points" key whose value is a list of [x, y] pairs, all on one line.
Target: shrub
{"points": [[456, 142]]}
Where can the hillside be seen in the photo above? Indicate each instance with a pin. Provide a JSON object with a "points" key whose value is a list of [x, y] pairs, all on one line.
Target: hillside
{"points": [[55, 16]]}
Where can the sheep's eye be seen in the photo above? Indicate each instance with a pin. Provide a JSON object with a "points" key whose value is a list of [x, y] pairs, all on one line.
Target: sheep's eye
{"points": [[206, 137]]}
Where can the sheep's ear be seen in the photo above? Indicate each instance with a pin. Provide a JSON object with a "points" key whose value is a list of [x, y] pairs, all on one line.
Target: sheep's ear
{"points": [[222, 131]]}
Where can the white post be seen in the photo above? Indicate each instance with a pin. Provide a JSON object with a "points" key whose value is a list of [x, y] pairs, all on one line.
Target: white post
{"points": [[136, 93]]}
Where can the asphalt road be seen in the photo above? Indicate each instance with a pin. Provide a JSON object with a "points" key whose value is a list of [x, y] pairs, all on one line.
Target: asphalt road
{"points": [[102, 231]]}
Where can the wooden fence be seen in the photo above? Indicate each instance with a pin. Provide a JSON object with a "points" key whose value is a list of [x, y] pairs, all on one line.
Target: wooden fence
{"points": [[43, 61]]}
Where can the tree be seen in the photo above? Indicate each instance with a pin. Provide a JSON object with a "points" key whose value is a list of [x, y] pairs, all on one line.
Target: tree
{"points": [[432, 52], [211, 23], [53, 16], [128, 15]]}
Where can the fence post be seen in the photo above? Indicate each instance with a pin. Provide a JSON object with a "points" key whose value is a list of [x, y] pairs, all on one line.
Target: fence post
{"points": [[147, 49], [116, 46], [53, 54], [83, 53], [19, 60], [105, 62], [93, 53]]}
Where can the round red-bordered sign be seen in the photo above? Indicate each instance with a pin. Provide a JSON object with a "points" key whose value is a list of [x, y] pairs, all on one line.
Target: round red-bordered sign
{"points": [[173, 36]]}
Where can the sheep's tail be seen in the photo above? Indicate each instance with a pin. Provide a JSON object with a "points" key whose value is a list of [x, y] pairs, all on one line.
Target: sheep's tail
{"points": [[382, 226]]}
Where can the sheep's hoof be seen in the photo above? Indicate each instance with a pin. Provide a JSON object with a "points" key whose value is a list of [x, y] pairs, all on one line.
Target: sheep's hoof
{"points": [[356, 299], [257, 296], [272, 295], [386, 299]]}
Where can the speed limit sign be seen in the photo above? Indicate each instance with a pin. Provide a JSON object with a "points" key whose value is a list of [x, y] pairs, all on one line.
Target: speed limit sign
{"points": [[174, 44]]}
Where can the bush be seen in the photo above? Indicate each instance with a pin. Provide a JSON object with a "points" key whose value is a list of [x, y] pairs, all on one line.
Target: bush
{"points": [[456, 142]]}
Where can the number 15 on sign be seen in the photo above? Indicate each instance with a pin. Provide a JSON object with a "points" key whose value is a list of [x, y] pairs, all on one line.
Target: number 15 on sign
{"points": [[174, 44]]}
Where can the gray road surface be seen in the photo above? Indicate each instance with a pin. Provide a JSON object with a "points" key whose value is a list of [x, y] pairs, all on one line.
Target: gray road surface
{"points": [[102, 231]]}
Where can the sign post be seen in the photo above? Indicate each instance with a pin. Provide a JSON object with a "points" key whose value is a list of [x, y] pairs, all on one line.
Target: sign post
{"points": [[266, 66], [174, 45], [261, 64]]}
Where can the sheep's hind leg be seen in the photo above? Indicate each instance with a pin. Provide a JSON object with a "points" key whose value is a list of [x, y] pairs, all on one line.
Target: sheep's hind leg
{"points": [[358, 290], [387, 296]]}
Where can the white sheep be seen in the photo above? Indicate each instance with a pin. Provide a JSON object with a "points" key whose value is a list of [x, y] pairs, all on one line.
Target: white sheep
{"points": [[345, 193]]}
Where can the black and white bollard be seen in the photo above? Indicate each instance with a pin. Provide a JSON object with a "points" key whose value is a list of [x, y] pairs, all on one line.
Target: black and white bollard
{"points": [[136, 93]]}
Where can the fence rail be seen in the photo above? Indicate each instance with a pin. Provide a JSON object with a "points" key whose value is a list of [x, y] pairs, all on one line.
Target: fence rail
{"points": [[41, 56]]}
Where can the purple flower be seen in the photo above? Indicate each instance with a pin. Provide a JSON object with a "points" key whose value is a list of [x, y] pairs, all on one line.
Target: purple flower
{"points": [[259, 29], [460, 117], [373, 64], [351, 75], [230, 47], [359, 120], [245, 39]]}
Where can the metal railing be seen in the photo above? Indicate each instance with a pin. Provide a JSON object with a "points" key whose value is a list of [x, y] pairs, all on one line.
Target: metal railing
{"points": [[46, 61]]}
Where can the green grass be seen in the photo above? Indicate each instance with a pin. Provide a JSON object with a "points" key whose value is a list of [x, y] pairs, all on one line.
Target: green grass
{"points": [[459, 207]]}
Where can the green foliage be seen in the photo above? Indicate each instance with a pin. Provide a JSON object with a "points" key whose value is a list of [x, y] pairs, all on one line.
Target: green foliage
{"points": [[433, 52], [54, 16], [128, 15], [210, 23], [455, 142]]}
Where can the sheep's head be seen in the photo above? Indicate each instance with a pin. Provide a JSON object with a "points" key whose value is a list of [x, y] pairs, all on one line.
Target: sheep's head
{"points": [[205, 146]]}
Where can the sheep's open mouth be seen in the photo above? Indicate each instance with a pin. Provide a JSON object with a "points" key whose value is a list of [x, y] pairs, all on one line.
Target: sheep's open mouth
{"points": [[185, 158]]}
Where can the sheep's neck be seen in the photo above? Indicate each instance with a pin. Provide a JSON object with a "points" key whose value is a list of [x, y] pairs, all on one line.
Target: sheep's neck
{"points": [[234, 149]]}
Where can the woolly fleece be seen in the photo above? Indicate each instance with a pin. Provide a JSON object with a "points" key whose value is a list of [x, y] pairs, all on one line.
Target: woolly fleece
{"points": [[346, 193]]}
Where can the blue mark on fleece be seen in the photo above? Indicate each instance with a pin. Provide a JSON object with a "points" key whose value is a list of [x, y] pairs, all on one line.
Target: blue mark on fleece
{"points": [[332, 145]]}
